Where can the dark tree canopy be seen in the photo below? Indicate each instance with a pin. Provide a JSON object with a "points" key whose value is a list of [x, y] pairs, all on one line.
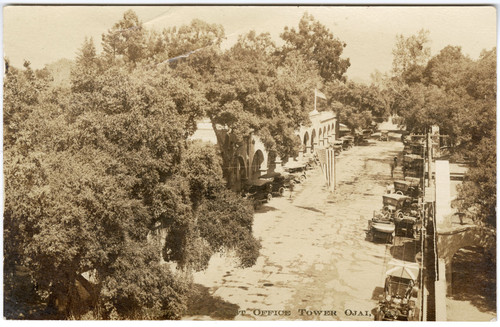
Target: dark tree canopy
{"points": [[459, 95], [316, 42], [93, 171]]}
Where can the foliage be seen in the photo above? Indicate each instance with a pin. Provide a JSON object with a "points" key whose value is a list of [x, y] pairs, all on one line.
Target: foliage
{"points": [[315, 42], [459, 95], [125, 40], [356, 104], [477, 196], [409, 53], [92, 171]]}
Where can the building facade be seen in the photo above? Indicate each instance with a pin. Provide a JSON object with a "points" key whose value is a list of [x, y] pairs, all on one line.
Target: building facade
{"points": [[248, 160]]}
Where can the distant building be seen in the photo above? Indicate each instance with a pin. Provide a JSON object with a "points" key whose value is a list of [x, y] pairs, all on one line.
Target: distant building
{"points": [[249, 158]]}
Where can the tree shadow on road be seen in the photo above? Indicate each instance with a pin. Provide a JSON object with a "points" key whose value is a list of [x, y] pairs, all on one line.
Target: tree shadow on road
{"points": [[202, 303], [405, 249], [474, 279], [265, 208], [377, 291], [310, 208]]}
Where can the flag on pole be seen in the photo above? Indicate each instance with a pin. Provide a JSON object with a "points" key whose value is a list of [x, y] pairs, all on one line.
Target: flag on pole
{"points": [[319, 94]]}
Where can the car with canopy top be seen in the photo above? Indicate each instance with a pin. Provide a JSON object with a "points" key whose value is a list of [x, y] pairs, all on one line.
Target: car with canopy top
{"points": [[401, 292]]}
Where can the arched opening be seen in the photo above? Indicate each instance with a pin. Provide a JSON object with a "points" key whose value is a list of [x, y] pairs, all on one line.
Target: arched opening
{"points": [[306, 140], [258, 159], [301, 148], [473, 281], [239, 173], [313, 139]]}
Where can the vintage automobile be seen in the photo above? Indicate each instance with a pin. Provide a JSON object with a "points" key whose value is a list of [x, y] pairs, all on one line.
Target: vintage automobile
{"points": [[381, 227], [338, 146], [413, 165], [359, 139], [279, 182], [404, 212], [347, 142], [384, 136], [414, 148], [396, 205], [400, 298], [311, 161], [410, 187], [297, 173], [408, 226], [367, 133], [259, 191], [405, 137]]}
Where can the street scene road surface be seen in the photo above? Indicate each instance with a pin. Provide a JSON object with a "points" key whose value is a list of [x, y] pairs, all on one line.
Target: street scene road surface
{"points": [[315, 263]]}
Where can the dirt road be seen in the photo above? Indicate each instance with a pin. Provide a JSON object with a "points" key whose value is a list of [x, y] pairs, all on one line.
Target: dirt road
{"points": [[315, 263]]}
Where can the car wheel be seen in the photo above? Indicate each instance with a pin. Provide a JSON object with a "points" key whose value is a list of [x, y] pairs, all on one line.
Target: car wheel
{"points": [[269, 197], [302, 178], [281, 191]]}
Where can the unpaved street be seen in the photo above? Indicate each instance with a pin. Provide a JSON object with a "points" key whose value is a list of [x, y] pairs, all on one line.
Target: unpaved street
{"points": [[314, 255]]}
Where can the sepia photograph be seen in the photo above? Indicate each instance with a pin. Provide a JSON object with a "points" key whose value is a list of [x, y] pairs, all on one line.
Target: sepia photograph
{"points": [[249, 162]]}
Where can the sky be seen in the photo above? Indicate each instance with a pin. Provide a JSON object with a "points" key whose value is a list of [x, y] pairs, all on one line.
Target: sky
{"points": [[44, 34]]}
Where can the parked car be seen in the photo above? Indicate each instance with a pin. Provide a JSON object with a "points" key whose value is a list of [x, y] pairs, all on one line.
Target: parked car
{"points": [[278, 181], [297, 173], [259, 191], [367, 133], [413, 165], [396, 205], [311, 162], [408, 226], [413, 147], [338, 146], [347, 142], [400, 298], [384, 136], [404, 212], [411, 187], [381, 227]]}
